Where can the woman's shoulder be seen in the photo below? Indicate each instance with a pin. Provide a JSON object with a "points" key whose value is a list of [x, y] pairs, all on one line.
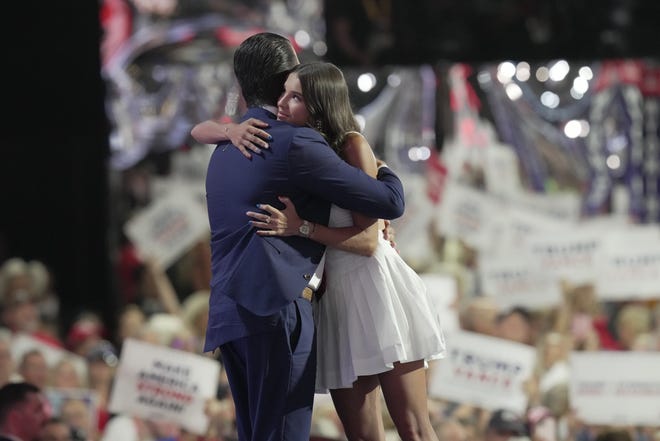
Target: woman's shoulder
{"points": [[352, 134], [356, 150], [355, 140]]}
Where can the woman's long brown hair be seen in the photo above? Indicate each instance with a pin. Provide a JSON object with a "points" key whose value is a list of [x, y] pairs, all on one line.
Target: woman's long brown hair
{"points": [[327, 100]]}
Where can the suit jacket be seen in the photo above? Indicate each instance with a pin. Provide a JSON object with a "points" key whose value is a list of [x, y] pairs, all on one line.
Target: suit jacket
{"points": [[253, 276]]}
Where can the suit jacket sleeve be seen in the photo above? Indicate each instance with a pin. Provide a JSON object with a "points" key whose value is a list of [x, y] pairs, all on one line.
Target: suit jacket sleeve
{"points": [[315, 167]]}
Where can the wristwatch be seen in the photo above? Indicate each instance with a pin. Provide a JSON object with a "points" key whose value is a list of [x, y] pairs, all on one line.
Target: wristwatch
{"points": [[306, 228]]}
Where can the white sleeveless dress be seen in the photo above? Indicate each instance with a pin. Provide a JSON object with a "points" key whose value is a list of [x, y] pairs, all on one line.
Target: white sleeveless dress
{"points": [[375, 311]]}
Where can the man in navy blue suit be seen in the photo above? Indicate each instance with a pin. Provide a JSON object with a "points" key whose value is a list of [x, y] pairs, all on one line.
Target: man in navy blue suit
{"points": [[260, 309]]}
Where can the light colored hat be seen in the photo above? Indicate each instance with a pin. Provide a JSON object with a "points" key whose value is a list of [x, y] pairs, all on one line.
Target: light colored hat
{"points": [[166, 327]]}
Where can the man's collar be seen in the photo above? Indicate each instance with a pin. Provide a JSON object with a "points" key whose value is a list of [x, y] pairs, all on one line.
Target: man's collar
{"points": [[271, 109]]}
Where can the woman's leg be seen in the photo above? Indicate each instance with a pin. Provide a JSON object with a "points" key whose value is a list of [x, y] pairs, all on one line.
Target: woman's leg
{"points": [[359, 409], [404, 388]]}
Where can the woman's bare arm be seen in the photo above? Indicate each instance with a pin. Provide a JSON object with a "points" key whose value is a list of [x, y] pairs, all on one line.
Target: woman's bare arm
{"points": [[246, 136], [361, 238]]}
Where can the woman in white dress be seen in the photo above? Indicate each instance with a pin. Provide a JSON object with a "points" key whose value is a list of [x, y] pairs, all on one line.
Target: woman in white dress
{"points": [[376, 326]]}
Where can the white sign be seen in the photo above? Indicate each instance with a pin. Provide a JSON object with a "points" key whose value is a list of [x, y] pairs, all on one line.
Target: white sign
{"points": [[515, 281], [515, 225], [415, 248], [629, 265], [501, 170], [169, 227], [466, 213], [443, 292], [483, 371], [616, 388], [564, 206], [568, 255], [159, 383]]}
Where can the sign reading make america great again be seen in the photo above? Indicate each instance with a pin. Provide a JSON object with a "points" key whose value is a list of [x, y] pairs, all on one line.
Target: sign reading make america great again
{"points": [[159, 383]]}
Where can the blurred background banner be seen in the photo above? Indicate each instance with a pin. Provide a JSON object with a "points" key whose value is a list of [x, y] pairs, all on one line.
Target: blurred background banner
{"points": [[626, 393], [168, 228], [486, 372]]}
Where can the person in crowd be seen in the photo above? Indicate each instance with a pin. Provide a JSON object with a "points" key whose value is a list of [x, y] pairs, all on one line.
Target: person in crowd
{"points": [[195, 313], [450, 429], [124, 427], [581, 316], [505, 424], [23, 412], [46, 299], [6, 359], [86, 331], [614, 434], [56, 430], [79, 415], [264, 319], [65, 374], [33, 368], [632, 322], [19, 302], [131, 320], [479, 315], [553, 364], [376, 324], [515, 325], [102, 360], [541, 424]]}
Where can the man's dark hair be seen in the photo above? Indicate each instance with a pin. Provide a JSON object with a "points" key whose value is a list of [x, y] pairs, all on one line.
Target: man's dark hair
{"points": [[261, 64], [12, 394]]}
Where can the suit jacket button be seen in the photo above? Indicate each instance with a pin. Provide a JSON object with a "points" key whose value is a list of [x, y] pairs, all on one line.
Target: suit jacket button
{"points": [[307, 276]]}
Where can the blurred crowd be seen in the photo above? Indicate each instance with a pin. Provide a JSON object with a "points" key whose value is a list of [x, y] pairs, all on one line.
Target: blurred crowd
{"points": [[170, 308], [51, 355]]}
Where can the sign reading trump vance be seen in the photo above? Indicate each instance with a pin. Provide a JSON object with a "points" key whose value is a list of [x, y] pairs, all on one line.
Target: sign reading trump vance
{"points": [[483, 371]]}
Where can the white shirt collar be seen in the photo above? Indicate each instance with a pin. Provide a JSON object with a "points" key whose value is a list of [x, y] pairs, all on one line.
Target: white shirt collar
{"points": [[271, 109]]}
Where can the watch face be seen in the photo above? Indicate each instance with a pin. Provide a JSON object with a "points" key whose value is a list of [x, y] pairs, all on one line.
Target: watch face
{"points": [[304, 229]]}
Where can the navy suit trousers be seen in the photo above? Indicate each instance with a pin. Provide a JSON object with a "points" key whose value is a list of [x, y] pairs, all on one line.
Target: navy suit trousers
{"points": [[272, 377]]}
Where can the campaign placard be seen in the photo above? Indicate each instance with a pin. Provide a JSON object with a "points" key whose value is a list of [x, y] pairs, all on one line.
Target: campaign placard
{"points": [[616, 388], [568, 255], [169, 227], [159, 383], [443, 292], [466, 213], [629, 265], [483, 371], [514, 281]]}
